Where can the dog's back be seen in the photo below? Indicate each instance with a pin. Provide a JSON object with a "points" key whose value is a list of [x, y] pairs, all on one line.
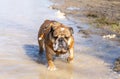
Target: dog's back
{"points": [[44, 29], [43, 32]]}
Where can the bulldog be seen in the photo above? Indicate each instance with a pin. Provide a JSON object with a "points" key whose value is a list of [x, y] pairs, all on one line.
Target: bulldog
{"points": [[56, 39]]}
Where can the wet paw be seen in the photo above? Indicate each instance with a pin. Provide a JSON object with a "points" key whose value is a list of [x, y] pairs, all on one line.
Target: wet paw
{"points": [[51, 68], [69, 59], [51, 65]]}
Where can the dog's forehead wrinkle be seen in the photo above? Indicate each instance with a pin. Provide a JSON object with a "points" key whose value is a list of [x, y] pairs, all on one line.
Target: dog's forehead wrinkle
{"points": [[59, 36], [62, 29]]}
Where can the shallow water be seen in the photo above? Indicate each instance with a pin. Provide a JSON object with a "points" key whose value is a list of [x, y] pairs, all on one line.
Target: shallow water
{"points": [[19, 59]]}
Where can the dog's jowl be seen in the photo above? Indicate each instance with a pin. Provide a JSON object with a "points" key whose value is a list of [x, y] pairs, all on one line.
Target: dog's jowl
{"points": [[56, 39]]}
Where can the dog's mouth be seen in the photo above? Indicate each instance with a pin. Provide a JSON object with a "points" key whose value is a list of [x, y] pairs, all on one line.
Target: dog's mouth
{"points": [[60, 45]]}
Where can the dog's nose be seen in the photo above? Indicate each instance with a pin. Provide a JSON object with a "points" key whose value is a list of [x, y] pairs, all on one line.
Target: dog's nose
{"points": [[61, 39]]}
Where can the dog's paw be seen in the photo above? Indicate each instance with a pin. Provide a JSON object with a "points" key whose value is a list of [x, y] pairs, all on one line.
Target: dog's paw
{"points": [[51, 65], [69, 59], [51, 68]]}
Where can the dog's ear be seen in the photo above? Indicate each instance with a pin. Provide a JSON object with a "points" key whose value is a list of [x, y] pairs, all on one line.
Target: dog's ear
{"points": [[54, 25], [71, 30], [51, 27]]}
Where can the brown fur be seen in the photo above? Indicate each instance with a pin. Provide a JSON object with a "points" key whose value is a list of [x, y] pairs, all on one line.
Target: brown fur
{"points": [[46, 39]]}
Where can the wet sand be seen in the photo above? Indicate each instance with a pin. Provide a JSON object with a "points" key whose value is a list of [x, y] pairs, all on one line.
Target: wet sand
{"points": [[19, 58]]}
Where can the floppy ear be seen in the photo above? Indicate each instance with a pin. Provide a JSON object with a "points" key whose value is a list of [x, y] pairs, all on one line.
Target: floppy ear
{"points": [[71, 30], [54, 25]]}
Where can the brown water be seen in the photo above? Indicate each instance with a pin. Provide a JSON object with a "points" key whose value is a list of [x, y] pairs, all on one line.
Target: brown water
{"points": [[19, 59]]}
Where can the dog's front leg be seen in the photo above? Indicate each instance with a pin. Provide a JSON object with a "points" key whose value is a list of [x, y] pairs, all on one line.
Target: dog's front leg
{"points": [[71, 52], [49, 56], [71, 55]]}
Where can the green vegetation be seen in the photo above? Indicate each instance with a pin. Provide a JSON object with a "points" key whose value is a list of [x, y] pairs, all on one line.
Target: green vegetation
{"points": [[103, 22], [111, 24], [116, 28]]}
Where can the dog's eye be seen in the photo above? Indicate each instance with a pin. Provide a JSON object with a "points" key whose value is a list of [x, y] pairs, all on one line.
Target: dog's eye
{"points": [[55, 37], [66, 37]]}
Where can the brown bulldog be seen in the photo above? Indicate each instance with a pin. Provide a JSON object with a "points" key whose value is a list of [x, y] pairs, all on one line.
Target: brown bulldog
{"points": [[57, 39]]}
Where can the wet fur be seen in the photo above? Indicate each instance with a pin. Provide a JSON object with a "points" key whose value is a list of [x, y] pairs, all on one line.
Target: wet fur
{"points": [[46, 39]]}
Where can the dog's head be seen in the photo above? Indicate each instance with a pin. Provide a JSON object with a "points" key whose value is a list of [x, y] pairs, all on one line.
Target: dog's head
{"points": [[60, 36]]}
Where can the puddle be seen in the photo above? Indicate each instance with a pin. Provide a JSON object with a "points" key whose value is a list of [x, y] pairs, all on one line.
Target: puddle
{"points": [[19, 24]]}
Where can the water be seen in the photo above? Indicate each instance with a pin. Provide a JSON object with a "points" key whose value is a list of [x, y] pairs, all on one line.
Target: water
{"points": [[19, 24]]}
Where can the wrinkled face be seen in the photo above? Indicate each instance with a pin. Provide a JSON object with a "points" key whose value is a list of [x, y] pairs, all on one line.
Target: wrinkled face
{"points": [[61, 37]]}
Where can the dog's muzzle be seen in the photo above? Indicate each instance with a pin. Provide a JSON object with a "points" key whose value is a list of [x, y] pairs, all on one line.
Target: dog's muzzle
{"points": [[60, 45]]}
